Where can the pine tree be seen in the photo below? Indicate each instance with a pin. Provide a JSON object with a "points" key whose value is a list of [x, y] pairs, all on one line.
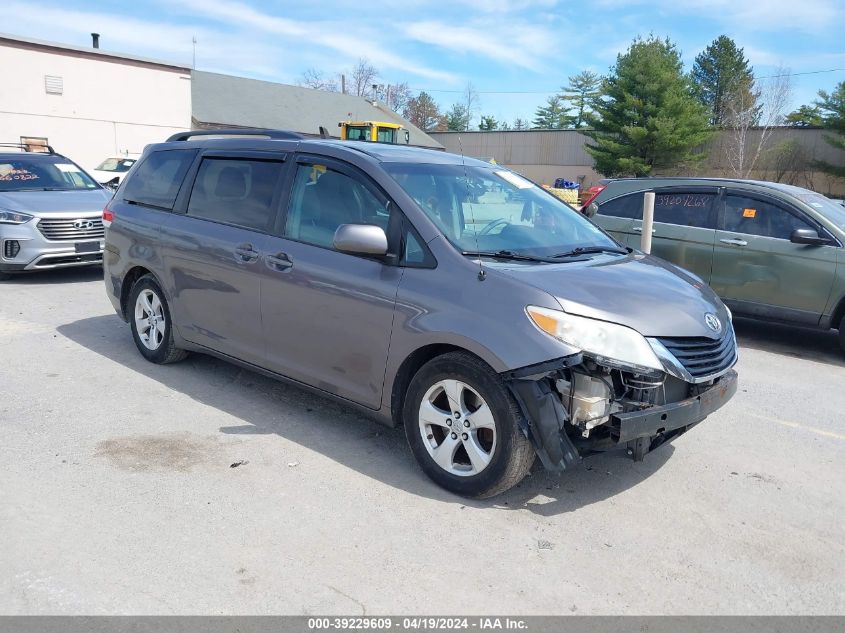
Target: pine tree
{"points": [[457, 118], [553, 115], [582, 91], [832, 106], [805, 116], [648, 118], [720, 70], [520, 124], [488, 123]]}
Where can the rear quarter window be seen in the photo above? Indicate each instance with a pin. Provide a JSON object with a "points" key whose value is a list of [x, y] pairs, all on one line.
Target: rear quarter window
{"points": [[627, 206], [157, 179]]}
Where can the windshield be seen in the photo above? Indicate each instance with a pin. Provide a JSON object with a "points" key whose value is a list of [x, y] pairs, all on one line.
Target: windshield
{"points": [[43, 174], [495, 210], [116, 164], [833, 211]]}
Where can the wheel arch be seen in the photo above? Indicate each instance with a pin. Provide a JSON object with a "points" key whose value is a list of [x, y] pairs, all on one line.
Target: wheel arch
{"points": [[129, 279], [836, 320], [411, 365]]}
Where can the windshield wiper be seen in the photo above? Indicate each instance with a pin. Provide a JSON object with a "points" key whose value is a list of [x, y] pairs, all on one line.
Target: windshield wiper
{"points": [[587, 250], [508, 255]]}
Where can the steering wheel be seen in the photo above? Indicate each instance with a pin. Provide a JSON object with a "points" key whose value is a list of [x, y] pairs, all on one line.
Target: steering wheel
{"points": [[492, 225]]}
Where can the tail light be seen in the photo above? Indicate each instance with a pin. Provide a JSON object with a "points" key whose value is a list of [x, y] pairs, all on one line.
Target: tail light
{"points": [[593, 193], [108, 216]]}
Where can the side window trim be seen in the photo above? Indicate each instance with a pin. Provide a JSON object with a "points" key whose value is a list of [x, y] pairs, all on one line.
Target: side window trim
{"points": [[278, 188]]}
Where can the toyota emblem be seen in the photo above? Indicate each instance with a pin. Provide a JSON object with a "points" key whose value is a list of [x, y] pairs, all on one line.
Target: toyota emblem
{"points": [[83, 224], [713, 322]]}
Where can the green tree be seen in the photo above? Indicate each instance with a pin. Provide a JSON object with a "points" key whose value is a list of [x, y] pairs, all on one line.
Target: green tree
{"points": [[520, 124], [832, 106], [582, 91], [719, 71], [423, 112], [553, 115], [457, 118], [648, 118], [805, 116], [488, 123]]}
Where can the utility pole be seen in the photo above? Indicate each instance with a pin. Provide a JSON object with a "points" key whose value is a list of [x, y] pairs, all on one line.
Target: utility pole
{"points": [[343, 83], [194, 62]]}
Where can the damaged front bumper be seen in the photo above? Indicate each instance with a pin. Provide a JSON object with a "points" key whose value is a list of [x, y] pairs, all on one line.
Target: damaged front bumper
{"points": [[638, 427]]}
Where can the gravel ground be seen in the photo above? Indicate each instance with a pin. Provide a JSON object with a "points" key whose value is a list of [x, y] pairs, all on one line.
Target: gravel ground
{"points": [[118, 493]]}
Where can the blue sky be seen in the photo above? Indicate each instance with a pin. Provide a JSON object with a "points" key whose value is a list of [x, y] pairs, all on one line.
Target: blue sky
{"points": [[525, 48]]}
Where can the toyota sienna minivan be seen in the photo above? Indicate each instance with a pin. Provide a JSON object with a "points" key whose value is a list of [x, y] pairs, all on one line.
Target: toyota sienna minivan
{"points": [[445, 294]]}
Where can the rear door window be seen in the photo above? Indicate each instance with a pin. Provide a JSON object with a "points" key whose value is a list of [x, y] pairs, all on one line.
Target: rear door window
{"points": [[694, 209], [157, 180], [236, 191], [753, 216]]}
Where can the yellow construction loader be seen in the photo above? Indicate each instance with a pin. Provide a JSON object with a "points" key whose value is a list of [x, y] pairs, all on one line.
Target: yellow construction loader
{"points": [[374, 131]]}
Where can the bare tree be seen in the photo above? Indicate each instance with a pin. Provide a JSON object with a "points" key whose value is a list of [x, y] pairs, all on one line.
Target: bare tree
{"points": [[753, 105], [316, 79], [471, 102], [395, 96], [363, 76]]}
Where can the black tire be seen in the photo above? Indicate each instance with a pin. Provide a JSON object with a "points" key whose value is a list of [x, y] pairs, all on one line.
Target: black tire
{"points": [[166, 352], [842, 335], [5, 276], [511, 456]]}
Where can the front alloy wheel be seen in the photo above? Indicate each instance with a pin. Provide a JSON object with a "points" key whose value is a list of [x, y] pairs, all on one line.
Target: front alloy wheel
{"points": [[457, 428], [465, 428]]}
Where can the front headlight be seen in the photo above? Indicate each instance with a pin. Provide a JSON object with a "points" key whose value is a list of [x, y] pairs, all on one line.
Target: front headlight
{"points": [[13, 217], [606, 342]]}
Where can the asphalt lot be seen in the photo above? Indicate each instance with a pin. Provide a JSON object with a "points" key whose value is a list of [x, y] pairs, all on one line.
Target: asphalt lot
{"points": [[117, 493]]}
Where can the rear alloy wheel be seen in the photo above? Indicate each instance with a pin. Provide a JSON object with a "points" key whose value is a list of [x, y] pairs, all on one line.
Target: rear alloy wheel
{"points": [[151, 324], [463, 427]]}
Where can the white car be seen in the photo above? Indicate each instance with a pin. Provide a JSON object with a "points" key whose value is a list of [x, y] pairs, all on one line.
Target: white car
{"points": [[112, 170]]}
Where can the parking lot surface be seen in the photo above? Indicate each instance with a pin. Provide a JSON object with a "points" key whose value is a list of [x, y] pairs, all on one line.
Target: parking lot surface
{"points": [[202, 488]]}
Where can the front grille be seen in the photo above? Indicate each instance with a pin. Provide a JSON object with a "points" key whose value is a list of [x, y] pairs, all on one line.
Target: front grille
{"points": [[11, 248], [702, 356], [64, 230]]}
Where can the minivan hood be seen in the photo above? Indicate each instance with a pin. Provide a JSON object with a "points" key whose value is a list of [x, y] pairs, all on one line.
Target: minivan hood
{"points": [[52, 203], [642, 292]]}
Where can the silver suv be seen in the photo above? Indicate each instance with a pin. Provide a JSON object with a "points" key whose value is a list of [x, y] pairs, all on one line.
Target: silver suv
{"points": [[450, 296], [50, 212]]}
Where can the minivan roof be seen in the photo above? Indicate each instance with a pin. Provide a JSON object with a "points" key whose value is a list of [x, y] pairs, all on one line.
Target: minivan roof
{"points": [[653, 180], [381, 152]]}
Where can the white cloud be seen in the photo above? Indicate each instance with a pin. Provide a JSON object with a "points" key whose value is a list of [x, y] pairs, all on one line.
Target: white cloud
{"points": [[322, 34], [521, 45]]}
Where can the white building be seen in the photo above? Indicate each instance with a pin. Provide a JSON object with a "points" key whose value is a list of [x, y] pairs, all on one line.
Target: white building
{"points": [[87, 103]]}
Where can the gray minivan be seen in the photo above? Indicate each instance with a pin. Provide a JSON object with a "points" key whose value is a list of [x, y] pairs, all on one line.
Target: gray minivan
{"points": [[446, 294]]}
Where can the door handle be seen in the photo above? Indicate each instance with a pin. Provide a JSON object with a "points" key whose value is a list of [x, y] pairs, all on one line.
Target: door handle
{"points": [[734, 241], [639, 229], [245, 253], [279, 262]]}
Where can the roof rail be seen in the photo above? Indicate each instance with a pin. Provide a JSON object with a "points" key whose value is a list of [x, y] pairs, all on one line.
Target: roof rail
{"points": [[25, 147], [265, 133]]}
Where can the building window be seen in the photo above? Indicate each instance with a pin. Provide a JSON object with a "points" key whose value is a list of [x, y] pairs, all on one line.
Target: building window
{"points": [[53, 85]]}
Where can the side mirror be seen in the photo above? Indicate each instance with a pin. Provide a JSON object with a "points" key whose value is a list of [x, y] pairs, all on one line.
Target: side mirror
{"points": [[590, 210], [807, 236], [360, 239]]}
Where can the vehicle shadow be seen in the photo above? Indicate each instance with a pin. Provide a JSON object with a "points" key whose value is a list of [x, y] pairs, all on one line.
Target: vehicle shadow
{"points": [[341, 433], [56, 276], [789, 340]]}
